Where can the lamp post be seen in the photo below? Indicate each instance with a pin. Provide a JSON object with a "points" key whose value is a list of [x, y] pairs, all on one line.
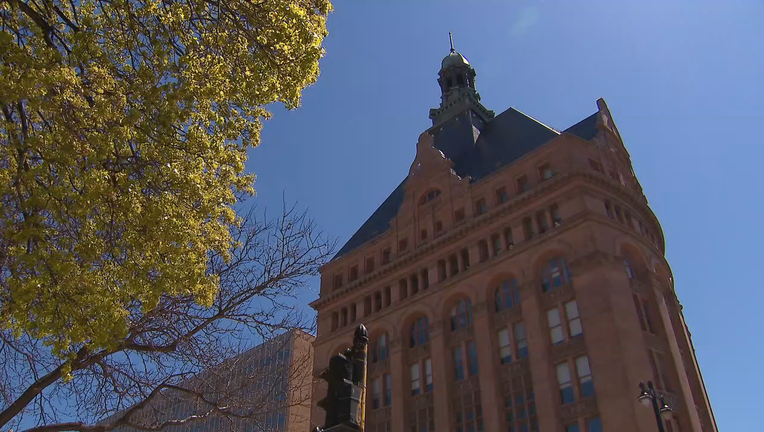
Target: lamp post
{"points": [[649, 396]]}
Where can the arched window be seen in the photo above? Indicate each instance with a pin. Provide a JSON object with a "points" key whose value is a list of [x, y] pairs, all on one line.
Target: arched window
{"points": [[419, 332], [507, 295], [379, 349], [461, 314], [555, 274]]}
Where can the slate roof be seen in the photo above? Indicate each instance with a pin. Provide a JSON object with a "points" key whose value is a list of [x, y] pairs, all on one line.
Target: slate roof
{"points": [[503, 140]]}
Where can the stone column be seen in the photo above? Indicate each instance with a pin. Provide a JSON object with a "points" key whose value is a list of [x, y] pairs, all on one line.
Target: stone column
{"points": [[397, 368], [542, 372], [487, 354], [440, 377]]}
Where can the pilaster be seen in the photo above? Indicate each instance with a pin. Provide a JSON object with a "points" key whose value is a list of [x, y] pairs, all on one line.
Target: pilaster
{"points": [[489, 389]]}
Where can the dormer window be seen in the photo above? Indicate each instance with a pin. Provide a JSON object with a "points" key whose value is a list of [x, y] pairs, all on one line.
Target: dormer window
{"points": [[545, 172], [459, 215], [429, 196], [522, 184], [501, 195], [480, 206], [387, 254]]}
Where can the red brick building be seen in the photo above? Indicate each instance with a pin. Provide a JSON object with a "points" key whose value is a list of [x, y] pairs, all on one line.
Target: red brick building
{"points": [[514, 281]]}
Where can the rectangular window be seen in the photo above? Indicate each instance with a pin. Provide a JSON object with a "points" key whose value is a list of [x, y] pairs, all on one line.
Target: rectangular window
{"points": [[564, 381], [545, 172], [369, 264], [496, 244], [415, 388], [585, 376], [459, 215], [338, 280], [480, 206], [403, 245], [574, 321], [501, 195], [523, 184], [423, 234], [438, 227], [458, 364], [528, 229], [376, 393], [509, 238], [554, 210], [542, 222], [653, 366], [428, 375], [473, 357], [388, 389], [521, 341], [505, 348], [386, 255], [555, 326], [353, 273], [572, 428], [594, 425]]}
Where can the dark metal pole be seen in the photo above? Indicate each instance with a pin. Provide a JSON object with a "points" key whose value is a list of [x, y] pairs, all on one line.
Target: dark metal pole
{"points": [[656, 408]]}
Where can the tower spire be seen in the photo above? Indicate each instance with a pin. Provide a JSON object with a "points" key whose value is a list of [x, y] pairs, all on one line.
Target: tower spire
{"points": [[451, 40]]}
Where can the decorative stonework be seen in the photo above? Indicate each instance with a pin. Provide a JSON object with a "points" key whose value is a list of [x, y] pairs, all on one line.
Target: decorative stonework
{"points": [[420, 401], [570, 348], [580, 408], [379, 367], [378, 415], [417, 353], [507, 316], [557, 295], [514, 369], [461, 335], [466, 385]]}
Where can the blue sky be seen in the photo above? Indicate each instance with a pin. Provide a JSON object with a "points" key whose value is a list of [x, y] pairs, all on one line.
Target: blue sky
{"points": [[683, 81]]}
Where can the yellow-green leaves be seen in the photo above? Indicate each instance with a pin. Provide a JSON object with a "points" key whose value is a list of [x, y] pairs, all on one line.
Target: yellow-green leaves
{"points": [[123, 137]]}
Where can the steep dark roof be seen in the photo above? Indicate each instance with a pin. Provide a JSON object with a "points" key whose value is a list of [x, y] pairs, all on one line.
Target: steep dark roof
{"points": [[504, 139], [585, 129]]}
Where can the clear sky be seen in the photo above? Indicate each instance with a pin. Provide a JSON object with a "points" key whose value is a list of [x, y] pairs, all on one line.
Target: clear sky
{"points": [[683, 81]]}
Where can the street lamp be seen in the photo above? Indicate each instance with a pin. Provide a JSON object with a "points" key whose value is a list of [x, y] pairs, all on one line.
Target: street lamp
{"points": [[648, 397]]}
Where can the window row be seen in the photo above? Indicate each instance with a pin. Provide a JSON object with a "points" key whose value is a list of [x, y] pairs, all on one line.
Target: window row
{"points": [[507, 294], [616, 212], [348, 314], [522, 184]]}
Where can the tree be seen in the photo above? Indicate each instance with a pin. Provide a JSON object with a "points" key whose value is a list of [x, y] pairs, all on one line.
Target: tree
{"points": [[123, 136], [178, 350]]}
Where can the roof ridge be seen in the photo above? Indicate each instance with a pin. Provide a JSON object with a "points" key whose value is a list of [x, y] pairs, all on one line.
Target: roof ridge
{"points": [[537, 121]]}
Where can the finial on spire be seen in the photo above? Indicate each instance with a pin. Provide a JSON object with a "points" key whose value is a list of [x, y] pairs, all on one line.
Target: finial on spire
{"points": [[451, 39]]}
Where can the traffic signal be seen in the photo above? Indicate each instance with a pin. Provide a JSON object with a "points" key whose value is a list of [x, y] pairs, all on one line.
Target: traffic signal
{"points": [[346, 381]]}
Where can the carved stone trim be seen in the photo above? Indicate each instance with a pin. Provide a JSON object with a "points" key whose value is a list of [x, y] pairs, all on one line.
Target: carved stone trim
{"points": [[379, 367], [557, 295], [462, 335], [514, 369], [655, 341], [568, 349], [507, 316], [420, 401], [417, 353], [466, 385], [579, 408], [379, 414]]}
